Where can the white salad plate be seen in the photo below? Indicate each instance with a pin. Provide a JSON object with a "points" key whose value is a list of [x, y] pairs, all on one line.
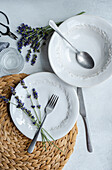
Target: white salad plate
{"points": [[63, 117], [87, 33]]}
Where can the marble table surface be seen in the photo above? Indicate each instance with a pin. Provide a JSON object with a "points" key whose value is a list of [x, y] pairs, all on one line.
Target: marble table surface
{"points": [[98, 99]]}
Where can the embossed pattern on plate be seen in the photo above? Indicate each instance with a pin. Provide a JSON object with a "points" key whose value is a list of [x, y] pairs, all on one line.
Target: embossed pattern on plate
{"points": [[107, 50]]}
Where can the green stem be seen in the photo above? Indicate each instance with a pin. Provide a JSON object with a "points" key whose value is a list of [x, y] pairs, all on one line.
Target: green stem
{"points": [[13, 103], [58, 23], [55, 146], [43, 140], [47, 140], [50, 142], [39, 110], [31, 34], [45, 146], [33, 108], [48, 134], [81, 13]]}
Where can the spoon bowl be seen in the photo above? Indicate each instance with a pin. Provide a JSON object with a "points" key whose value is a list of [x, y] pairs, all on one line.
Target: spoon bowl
{"points": [[85, 60]]}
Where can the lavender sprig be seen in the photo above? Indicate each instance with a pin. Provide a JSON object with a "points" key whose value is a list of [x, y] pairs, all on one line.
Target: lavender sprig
{"points": [[23, 84], [35, 38], [29, 96], [33, 59], [28, 55], [35, 95]]}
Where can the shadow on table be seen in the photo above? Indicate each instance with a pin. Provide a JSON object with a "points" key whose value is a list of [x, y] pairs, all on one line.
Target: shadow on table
{"points": [[44, 59]]}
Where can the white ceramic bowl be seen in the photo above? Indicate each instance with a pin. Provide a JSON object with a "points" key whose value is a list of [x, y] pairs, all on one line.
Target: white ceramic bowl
{"points": [[87, 33]]}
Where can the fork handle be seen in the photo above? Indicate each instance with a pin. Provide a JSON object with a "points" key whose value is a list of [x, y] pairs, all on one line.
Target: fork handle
{"points": [[32, 145]]}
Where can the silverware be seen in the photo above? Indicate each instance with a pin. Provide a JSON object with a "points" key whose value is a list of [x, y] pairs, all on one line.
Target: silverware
{"points": [[48, 109], [83, 58], [83, 114]]}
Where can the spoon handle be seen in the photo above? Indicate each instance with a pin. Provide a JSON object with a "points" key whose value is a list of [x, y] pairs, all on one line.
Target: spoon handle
{"points": [[56, 28]]}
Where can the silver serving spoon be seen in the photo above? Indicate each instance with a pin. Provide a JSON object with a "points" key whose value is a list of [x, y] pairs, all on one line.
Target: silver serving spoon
{"points": [[83, 58]]}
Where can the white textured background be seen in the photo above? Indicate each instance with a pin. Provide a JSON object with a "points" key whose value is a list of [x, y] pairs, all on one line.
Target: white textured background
{"points": [[98, 99]]}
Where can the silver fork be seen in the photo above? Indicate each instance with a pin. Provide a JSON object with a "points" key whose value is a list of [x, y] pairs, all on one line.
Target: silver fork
{"points": [[48, 109]]}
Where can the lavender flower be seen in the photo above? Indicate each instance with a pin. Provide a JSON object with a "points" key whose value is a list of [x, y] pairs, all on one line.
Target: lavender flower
{"points": [[13, 90], [28, 112], [17, 97], [35, 94], [34, 122], [35, 37], [33, 59], [33, 106], [23, 84], [39, 106], [5, 99], [32, 117], [28, 55], [21, 106], [28, 96], [19, 102]]}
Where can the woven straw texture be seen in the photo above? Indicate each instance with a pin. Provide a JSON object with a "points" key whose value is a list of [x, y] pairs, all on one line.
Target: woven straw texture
{"points": [[14, 145]]}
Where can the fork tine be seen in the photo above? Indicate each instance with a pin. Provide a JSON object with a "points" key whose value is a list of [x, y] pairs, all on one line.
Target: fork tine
{"points": [[53, 98], [50, 100], [55, 101]]}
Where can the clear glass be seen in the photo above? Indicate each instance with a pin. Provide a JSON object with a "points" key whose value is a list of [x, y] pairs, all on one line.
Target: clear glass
{"points": [[11, 61]]}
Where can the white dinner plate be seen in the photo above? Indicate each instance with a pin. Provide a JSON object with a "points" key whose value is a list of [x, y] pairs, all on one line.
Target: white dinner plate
{"points": [[87, 33], [63, 117]]}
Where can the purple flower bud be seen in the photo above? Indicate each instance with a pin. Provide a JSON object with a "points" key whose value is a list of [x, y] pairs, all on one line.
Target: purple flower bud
{"points": [[13, 90], [23, 84], [28, 96], [32, 117], [4, 98], [35, 94], [39, 106], [34, 122], [33, 106]]}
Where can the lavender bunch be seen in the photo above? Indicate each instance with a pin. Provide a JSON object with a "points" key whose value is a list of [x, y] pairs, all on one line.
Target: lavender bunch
{"points": [[34, 38]]}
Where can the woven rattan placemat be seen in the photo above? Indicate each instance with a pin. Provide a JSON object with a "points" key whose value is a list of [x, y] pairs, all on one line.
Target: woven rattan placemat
{"points": [[13, 144]]}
